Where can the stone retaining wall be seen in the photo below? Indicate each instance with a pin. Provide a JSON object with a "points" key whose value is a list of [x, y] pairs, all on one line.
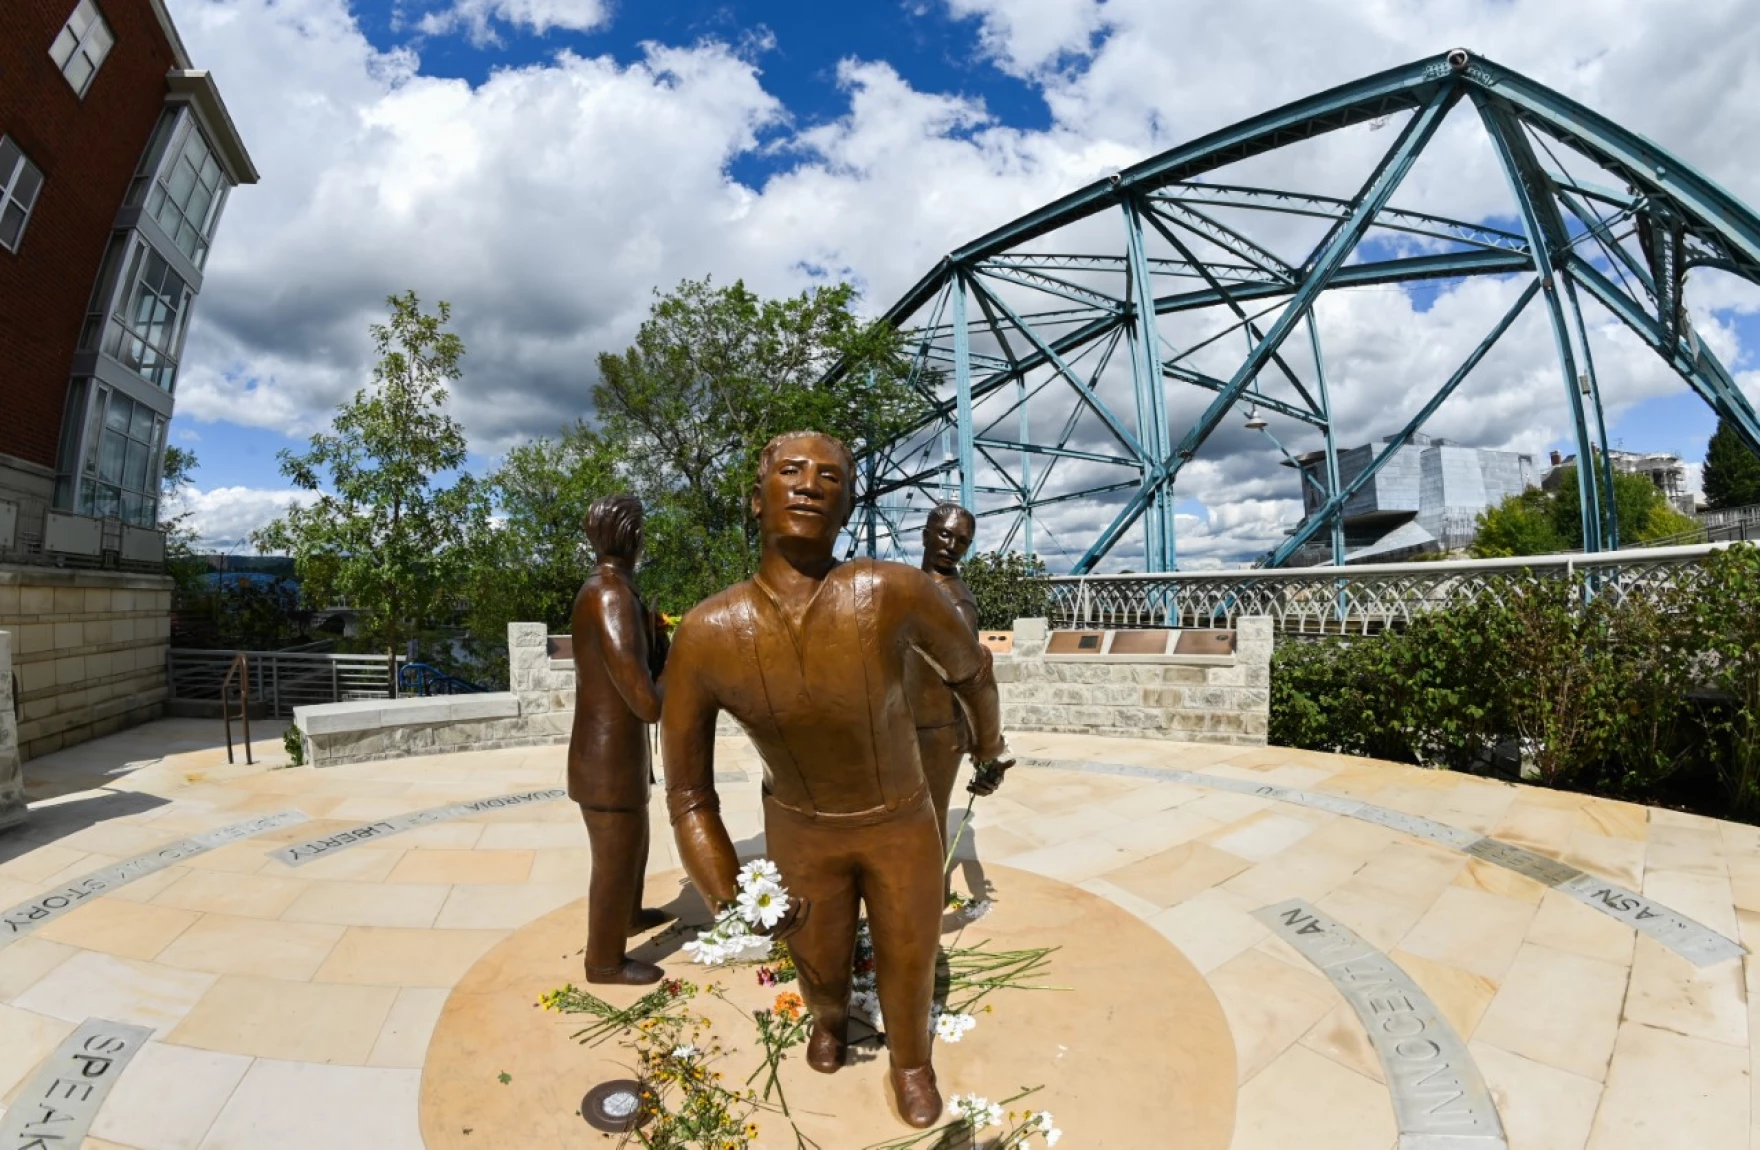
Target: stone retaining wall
{"points": [[89, 649], [1197, 700], [11, 769]]}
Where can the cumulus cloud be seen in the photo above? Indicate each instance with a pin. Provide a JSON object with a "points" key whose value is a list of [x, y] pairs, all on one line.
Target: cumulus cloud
{"points": [[549, 201], [479, 17], [224, 517]]}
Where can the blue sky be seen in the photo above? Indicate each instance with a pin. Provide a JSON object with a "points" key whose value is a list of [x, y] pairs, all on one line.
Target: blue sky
{"points": [[451, 147]]}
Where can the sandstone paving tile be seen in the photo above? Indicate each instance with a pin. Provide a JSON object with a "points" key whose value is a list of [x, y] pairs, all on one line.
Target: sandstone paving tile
{"points": [[229, 944], [23, 962], [531, 836], [29, 1037], [1301, 776], [1339, 1035], [1155, 833], [1490, 878], [278, 1018], [1616, 819], [1210, 928], [218, 892], [67, 874], [1539, 828], [369, 810], [1118, 896], [1304, 871], [246, 856], [1694, 850], [1353, 837], [1557, 1008], [1306, 1099], [1670, 993], [1381, 917], [476, 907], [460, 836], [1227, 807], [396, 956], [1667, 1091], [1171, 876], [1472, 930], [1563, 923], [403, 1040], [1542, 1107], [1261, 836], [92, 985], [571, 864], [1663, 817], [147, 887], [1051, 830], [995, 810], [1269, 1005], [114, 926], [1461, 995], [1701, 897], [1417, 870], [367, 904], [1148, 800], [1047, 792], [282, 1105], [1606, 856], [1744, 880], [119, 838], [169, 1096], [1073, 860], [42, 863], [449, 866]]}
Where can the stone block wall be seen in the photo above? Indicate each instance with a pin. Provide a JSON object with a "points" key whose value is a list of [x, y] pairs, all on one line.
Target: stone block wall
{"points": [[1201, 700], [338, 733], [543, 684], [11, 768], [89, 649]]}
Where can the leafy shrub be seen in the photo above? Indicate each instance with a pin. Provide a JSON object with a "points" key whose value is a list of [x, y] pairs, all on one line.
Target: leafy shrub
{"points": [[1007, 586]]}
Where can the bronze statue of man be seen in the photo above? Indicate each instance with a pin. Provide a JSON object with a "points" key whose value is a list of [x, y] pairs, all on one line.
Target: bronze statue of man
{"points": [[809, 657], [618, 650], [942, 733]]}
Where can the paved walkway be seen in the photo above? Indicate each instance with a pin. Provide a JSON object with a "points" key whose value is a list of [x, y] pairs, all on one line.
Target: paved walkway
{"points": [[1348, 920]]}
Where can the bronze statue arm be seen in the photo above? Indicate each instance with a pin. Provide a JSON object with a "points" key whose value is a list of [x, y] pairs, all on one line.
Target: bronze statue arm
{"points": [[943, 637], [687, 746], [621, 644]]}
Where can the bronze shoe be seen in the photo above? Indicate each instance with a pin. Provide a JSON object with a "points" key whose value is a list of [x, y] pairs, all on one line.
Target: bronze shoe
{"points": [[919, 1099], [826, 1048], [633, 972], [647, 919]]}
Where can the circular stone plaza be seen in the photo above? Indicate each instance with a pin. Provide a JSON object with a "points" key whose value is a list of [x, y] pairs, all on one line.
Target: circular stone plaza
{"points": [[1256, 948]]}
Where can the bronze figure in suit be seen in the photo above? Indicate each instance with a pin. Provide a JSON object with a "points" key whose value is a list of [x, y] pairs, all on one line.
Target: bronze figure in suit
{"points": [[809, 657]]}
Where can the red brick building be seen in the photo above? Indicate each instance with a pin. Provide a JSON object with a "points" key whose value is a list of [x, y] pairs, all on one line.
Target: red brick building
{"points": [[116, 158]]}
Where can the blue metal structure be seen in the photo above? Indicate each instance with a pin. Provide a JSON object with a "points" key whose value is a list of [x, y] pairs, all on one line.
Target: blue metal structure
{"points": [[1021, 341]]}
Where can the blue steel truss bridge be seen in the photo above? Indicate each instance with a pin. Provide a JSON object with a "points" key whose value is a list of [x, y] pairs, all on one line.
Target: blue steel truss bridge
{"points": [[1089, 350]]}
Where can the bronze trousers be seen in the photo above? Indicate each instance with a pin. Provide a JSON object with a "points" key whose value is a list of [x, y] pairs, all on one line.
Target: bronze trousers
{"points": [[940, 749], [891, 862], [619, 840]]}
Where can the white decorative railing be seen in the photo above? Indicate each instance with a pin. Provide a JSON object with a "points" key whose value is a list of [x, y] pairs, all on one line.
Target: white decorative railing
{"points": [[1357, 599]]}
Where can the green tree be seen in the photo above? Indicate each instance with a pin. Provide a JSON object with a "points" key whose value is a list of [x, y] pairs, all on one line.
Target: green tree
{"points": [[1732, 472], [383, 535], [713, 375], [1008, 586], [181, 562], [1520, 525], [1540, 522]]}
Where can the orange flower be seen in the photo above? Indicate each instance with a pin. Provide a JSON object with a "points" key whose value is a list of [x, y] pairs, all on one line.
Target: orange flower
{"points": [[789, 1005]]}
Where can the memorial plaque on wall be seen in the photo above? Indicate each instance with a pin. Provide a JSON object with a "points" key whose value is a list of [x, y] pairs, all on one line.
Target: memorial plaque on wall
{"points": [[1205, 643], [1139, 642], [561, 647], [1076, 643]]}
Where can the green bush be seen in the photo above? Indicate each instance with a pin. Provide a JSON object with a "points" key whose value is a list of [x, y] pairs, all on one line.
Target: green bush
{"points": [[1007, 586], [1654, 697]]}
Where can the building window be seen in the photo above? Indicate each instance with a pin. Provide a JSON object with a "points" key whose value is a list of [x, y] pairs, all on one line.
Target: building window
{"points": [[20, 181], [187, 195], [122, 453], [82, 45], [146, 330]]}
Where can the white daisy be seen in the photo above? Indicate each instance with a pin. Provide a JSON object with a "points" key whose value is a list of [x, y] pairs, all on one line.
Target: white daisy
{"points": [[685, 1051], [951, 1027], [759, 870], [763, 904], [706, 950]]}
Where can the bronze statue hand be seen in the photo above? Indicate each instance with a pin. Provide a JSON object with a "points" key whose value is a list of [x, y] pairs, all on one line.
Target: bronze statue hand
{"points": [[791, 922], [987, 775]]}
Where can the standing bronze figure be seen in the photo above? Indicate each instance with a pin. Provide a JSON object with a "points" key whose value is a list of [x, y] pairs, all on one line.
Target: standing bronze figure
{"points": [[619, 648], [809, 657], [942, 732]]}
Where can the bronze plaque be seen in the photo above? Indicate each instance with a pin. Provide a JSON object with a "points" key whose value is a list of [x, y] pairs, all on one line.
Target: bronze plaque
{"points": [[1139, 642], [1075, 643], [562, 647], [999, 642], [1205, 643]]}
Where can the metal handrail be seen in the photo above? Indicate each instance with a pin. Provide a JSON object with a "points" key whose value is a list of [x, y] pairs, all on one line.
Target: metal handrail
{"points": [[238, 674], [426, 679]]}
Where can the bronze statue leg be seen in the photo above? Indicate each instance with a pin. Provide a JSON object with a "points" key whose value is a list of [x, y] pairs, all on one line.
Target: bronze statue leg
{"points": [[900, 884], [939, 750], [619, 842], [817, 865]]}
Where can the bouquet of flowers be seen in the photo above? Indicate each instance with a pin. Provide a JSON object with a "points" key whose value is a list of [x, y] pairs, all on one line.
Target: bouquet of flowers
{"points": [[733, 936]]}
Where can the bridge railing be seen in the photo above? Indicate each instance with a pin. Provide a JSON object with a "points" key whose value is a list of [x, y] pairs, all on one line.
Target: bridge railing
{"points": [[1361, 599]]}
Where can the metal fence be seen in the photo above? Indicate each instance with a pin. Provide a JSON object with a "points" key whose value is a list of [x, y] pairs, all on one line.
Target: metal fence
{"points": [[1343, 600], [283, 680]]}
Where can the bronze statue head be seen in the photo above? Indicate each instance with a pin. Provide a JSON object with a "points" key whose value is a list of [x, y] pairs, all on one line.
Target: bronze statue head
{"points": [[947, 536], [614, 528], [805, 489]]}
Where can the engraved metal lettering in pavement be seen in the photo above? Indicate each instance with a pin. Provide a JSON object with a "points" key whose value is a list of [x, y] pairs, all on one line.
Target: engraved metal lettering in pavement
{"points": [[301, 853], [1439, 1097], [56, 1108], [28, 916], [1693, 941]]}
